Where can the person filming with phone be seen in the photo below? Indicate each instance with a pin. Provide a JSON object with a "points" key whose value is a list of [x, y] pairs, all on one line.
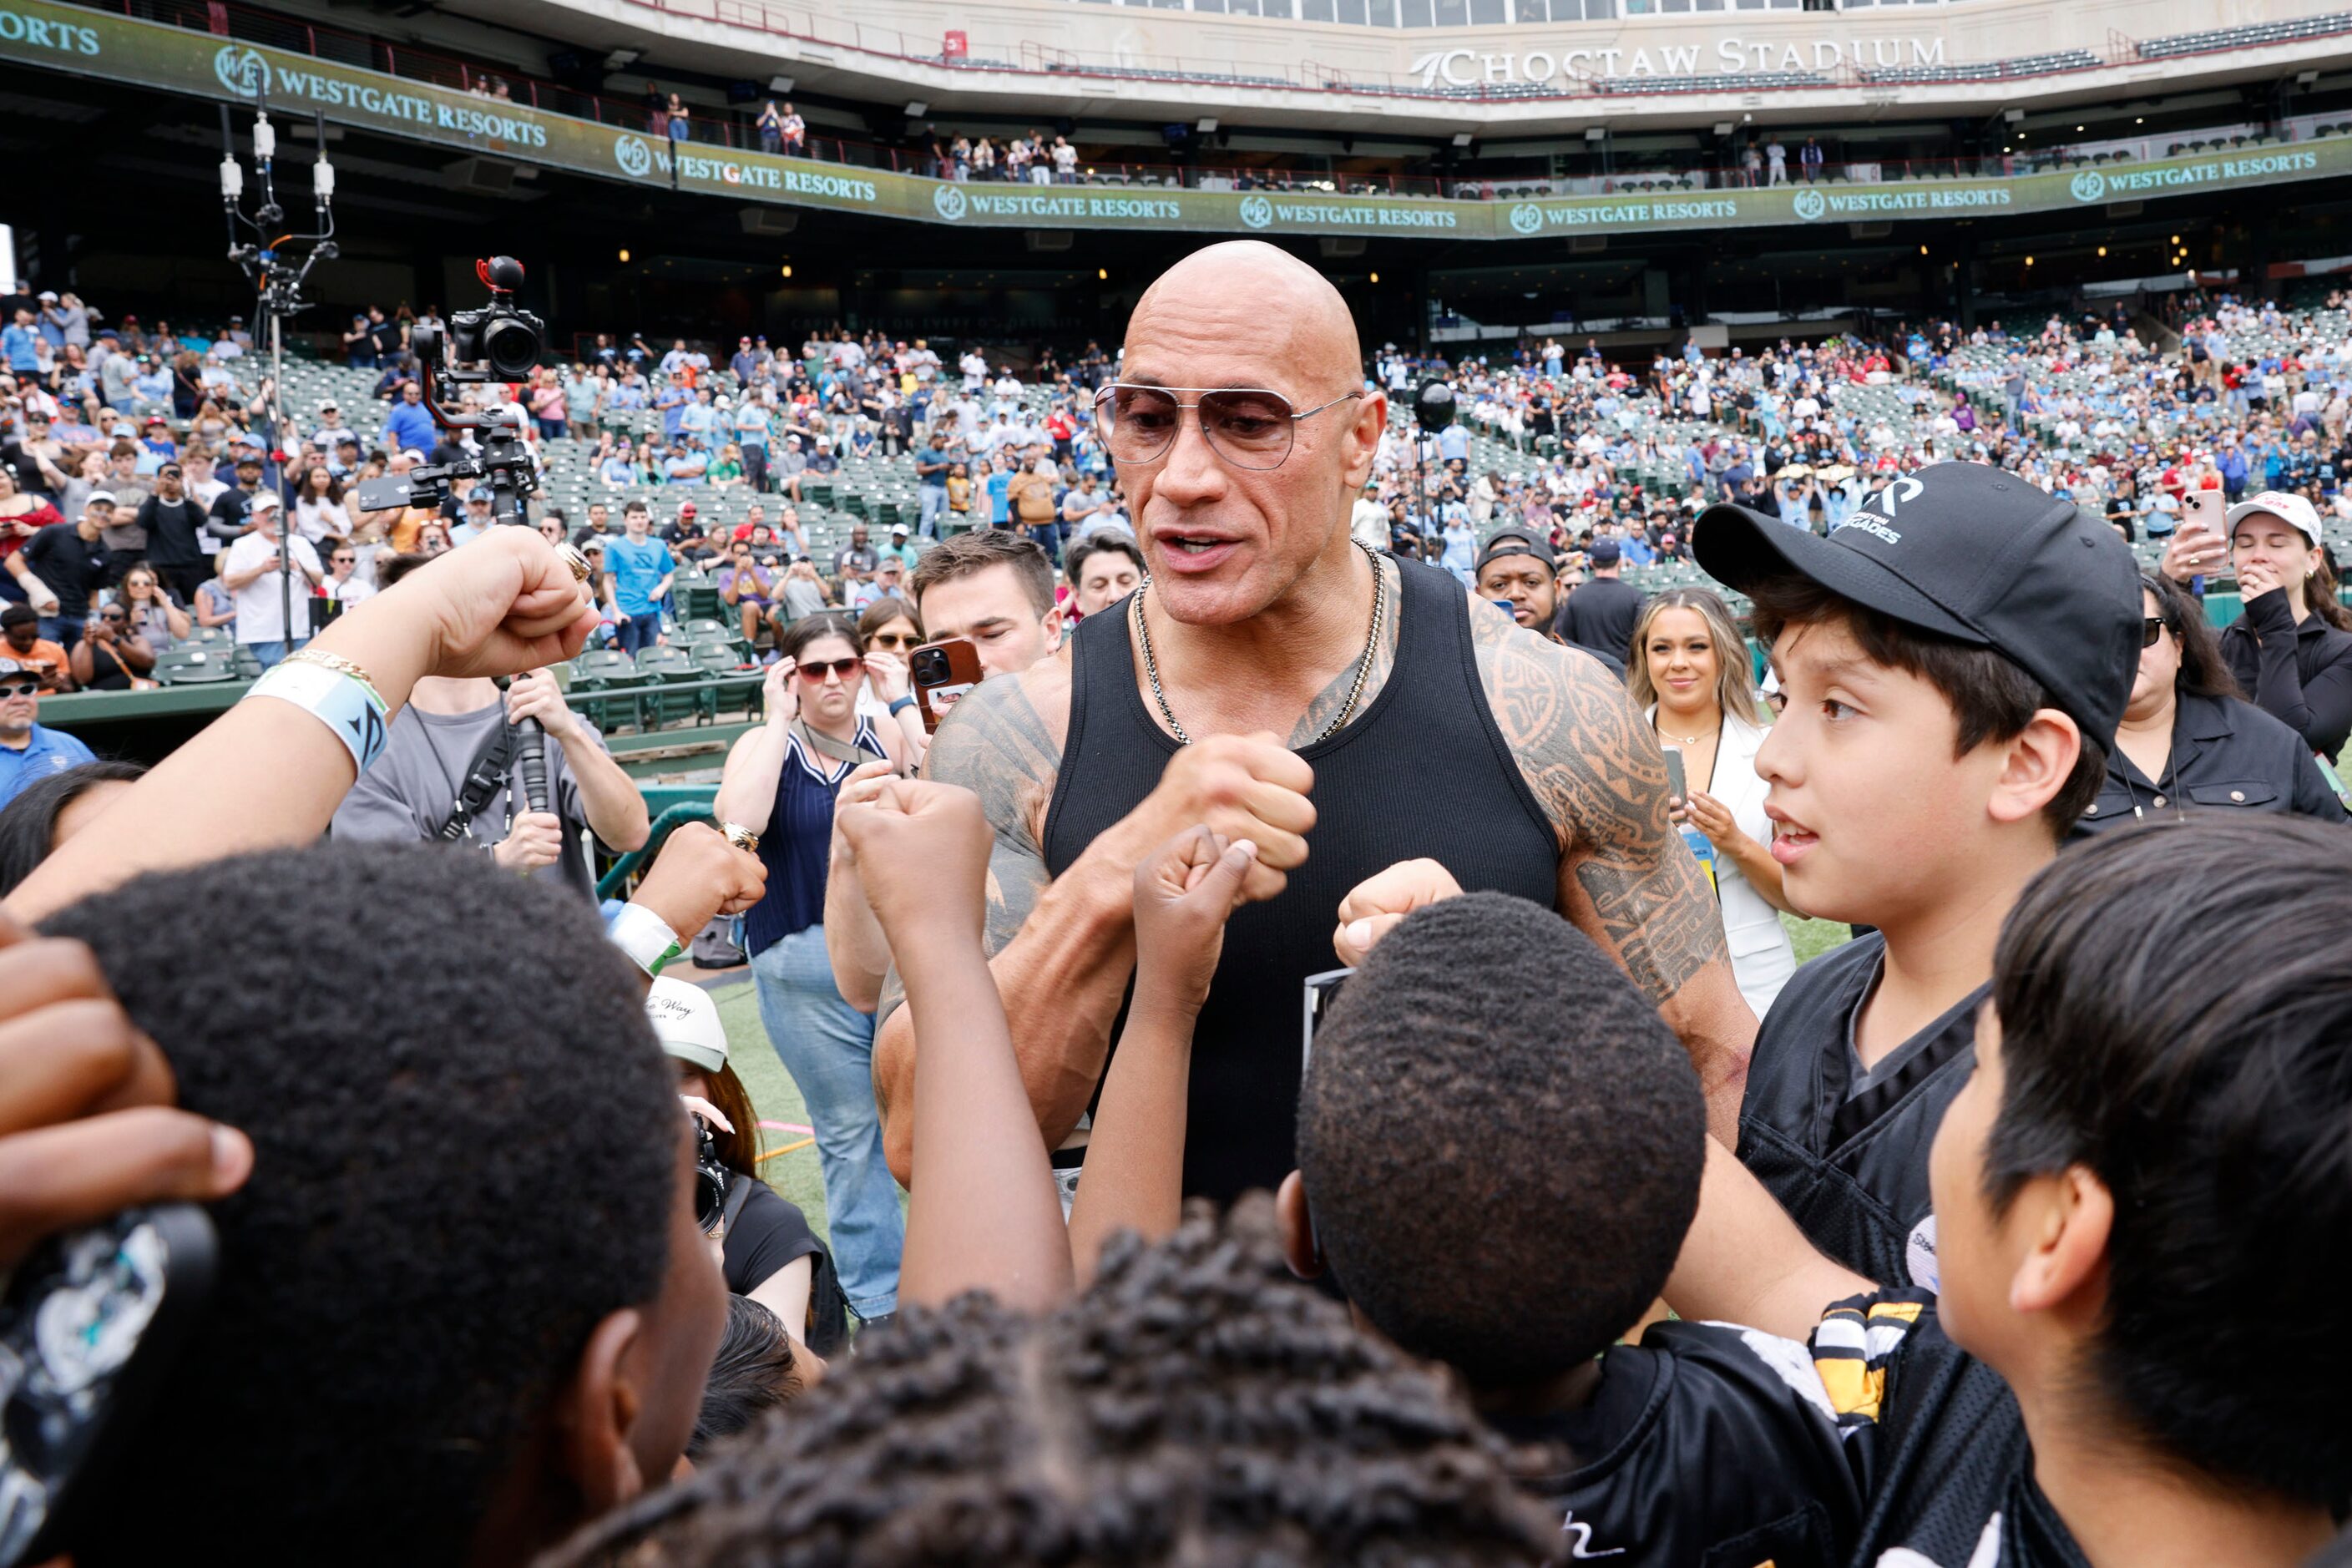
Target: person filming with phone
{"points": [[2292, 648], [777, 799], [2189, 742]]}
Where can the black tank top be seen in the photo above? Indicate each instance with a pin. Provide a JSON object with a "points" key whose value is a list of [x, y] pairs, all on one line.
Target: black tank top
{"points": [[1422, 771]]}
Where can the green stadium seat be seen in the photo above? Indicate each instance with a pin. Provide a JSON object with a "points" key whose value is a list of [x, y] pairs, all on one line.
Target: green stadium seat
{"points": [[187, 666]]}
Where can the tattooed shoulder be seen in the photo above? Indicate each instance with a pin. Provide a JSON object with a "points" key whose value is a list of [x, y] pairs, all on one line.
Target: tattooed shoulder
{"points": [[1594, 766], [1003, 742]]}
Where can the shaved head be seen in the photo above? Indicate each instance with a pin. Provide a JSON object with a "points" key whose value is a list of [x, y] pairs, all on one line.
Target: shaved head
{"points": [[1275, 302], [1225, 543]]}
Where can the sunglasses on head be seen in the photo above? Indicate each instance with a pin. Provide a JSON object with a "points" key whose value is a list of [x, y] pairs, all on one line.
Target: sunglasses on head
{"points": [[19, 689], [815, 673]]}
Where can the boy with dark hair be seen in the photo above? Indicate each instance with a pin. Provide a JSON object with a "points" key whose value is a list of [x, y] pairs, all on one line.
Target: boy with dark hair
{"points": [[2145, 1196], [1487, 1058], [462, 1303], [1955, 658]]}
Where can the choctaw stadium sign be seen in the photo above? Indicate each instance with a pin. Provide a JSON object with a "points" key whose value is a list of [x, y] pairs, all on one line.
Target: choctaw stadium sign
{"points": [[116, 49]]}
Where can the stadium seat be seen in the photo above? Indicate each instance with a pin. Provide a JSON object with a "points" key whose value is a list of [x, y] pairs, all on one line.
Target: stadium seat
{"points": [[187, 666]]}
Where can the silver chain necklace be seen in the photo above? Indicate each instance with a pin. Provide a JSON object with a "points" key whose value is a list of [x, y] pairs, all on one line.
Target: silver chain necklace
{"points": [[1355, 689]]}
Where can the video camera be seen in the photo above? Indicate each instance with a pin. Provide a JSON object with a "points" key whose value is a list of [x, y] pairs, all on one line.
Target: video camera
{"points": [[497, 342]]}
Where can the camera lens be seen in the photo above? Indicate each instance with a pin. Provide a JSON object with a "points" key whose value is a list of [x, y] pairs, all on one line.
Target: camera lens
{"points": [[930, 666], [511, 347]]}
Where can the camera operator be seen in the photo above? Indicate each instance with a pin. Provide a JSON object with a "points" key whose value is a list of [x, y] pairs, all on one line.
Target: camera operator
{"points": [[454, 731]]}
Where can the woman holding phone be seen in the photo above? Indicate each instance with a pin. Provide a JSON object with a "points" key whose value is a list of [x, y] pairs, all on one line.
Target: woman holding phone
{"points": [[2187, 743], [778, 791], [1690, 670], [2292, 648]]}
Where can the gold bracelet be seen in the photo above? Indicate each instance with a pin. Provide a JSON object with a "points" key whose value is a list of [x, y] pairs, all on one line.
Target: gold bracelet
{"points": [[741, 836], [340, 665]]}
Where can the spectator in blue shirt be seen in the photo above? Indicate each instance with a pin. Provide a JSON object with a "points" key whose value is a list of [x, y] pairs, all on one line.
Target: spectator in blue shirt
{"points": [[672, 400], [998, 487], [409, 426], [19, 344], [27, 751], [642, 569]]}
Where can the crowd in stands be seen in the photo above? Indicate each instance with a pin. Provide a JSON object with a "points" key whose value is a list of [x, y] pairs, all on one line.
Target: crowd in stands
{"points": [[2004, 1234]]}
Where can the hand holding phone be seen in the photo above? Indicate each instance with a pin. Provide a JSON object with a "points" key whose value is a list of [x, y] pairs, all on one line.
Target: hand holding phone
{"points": [[1677, 784], [943, 671]]}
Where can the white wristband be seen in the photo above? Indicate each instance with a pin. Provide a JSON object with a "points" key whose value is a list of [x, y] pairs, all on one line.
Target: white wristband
{"points": [[341, 702], [645, 937]]}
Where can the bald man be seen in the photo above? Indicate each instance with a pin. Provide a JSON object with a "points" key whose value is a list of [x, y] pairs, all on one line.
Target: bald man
{"points": [[1382, 739]]}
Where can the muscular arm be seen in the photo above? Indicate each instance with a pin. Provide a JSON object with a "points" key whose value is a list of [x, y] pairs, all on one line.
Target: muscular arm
{"points": [[1061, 946], [1624, 881]]}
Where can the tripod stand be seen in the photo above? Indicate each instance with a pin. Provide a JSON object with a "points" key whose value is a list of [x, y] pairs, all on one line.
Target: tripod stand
{"points": [[278, 274]]}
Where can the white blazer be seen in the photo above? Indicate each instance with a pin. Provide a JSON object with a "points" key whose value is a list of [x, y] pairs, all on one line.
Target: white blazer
{"points": [[1761, 957]]}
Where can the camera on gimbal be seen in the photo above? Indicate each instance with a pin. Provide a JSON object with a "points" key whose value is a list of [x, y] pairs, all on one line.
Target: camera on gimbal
{"points": [[495, 343], [498, 337]]}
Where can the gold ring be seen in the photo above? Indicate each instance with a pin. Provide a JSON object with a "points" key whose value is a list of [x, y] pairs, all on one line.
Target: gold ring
{"points": [[574, 558], [741, 836]]}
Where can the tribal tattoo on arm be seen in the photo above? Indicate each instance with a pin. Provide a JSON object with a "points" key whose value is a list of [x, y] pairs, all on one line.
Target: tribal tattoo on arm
{"points": [[1595, 767], [1597, 773], [995, 744]]}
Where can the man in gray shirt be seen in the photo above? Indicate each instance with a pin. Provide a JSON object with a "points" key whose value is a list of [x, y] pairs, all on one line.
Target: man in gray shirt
{"points": [[414, 787]]}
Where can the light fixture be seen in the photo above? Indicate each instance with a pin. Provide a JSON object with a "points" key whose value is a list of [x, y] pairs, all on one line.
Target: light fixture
{"points": [[1376, 276], [2029, 261], [2078, 131], [2140, 120], [1596, 133], [1102, 274], [1462, 138], [780, 84], [622, 59], [2175, 239], [2102, 251], [2307, 79], [624, 253], [788, 269], [1922, 250], [916, 108], [1206, 125], [1723, 127], [2013, 116]]}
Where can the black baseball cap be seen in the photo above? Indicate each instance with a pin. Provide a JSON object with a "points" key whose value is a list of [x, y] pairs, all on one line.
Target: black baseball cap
{"points": [[1974, 553], [1506, 542]]}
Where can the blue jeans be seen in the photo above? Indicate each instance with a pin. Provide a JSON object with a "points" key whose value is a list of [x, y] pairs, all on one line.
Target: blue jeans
{"points": [[639, 631], [935, 506], [828, 1048], [63, 630], [271, 653]]}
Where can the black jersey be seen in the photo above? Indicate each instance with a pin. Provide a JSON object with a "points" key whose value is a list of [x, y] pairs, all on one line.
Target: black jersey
{"points": [[1662, 1466], [1845, 1152], [1880, 1443]]}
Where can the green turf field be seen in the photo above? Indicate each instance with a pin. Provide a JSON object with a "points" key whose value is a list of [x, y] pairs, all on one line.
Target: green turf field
{"points": [[795, 1175]]}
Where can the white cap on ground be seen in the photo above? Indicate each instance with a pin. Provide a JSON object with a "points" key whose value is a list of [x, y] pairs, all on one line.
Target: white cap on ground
{"points": [[685, 1022]]}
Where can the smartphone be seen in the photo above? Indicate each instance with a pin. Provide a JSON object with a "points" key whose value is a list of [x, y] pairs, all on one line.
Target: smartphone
{"points": [[943, 671], [88, 1327], [1322, 990], [1677, 781], [2204, 510]]}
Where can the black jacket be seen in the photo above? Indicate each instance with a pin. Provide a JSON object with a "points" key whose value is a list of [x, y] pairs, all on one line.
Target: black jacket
{"points": [[175, 531], [2301, 675], [2227, 755]]}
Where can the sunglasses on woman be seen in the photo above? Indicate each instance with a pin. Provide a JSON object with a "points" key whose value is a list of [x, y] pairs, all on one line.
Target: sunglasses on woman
{"points": [[814, 674], [895, 642], [2150, 628]]}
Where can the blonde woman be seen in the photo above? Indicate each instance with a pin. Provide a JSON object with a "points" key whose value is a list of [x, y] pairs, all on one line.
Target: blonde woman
{"points": [[1690, 671]]}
